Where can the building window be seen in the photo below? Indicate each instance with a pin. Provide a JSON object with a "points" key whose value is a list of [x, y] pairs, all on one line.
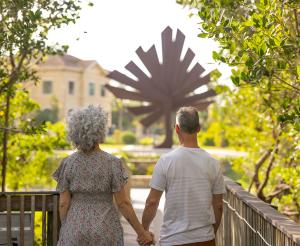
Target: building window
{"points": [[71, 87], [47, 87], [91, 89], [102, 90]]}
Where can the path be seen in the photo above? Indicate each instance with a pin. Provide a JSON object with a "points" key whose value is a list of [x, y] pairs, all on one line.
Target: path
{"points": [[138, 197]]}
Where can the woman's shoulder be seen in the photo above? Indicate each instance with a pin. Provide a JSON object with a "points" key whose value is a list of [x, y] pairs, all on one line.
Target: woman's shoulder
{"points": [[110, 157]]}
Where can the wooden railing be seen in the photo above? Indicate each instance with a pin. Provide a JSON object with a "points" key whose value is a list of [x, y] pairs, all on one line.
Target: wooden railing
{"points": [[248, 221], [19, 222]]}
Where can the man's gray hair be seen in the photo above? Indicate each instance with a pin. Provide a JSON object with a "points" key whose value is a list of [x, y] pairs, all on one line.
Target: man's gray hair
{"points": [[188, 120], [86, 127]]}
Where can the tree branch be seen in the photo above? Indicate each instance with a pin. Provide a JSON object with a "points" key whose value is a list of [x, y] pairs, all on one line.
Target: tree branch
{"points": [[281, 188], [10, 129], [297, 22], [270, 165], [258, 165], [12, 60], [297, 90], [14, 75]]}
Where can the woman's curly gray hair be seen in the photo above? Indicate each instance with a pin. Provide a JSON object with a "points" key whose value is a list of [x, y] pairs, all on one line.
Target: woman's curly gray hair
{"points": [[86, 127]]}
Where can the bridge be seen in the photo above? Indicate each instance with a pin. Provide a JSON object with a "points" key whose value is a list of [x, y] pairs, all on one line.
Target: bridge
{"points": [[247, 221]]}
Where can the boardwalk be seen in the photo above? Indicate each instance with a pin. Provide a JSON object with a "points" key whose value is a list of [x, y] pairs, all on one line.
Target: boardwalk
{"points": [[138, 197]]}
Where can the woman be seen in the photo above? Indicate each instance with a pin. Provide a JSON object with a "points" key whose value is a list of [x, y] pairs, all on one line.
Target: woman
{"points": [[87, 181]]}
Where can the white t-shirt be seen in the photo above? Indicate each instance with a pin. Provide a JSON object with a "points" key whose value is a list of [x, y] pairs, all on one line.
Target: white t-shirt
{"points": [[189, 176]]}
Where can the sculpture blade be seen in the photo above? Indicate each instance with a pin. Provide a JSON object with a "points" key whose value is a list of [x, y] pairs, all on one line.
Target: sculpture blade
{"points": [[124, 94], [151, 118], [197, 97], [139, 110]]}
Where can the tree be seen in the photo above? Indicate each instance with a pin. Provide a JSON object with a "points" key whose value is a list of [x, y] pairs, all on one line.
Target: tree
{"points": [[260, 41], [24, 26], [271, 161], [31, 156]]}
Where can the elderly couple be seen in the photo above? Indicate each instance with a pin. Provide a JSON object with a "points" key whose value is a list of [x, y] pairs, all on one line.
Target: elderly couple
{"points": [[90, 178]]}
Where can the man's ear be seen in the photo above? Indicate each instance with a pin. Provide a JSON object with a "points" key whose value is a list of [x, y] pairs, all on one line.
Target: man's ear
{"points": [[177, 128]]}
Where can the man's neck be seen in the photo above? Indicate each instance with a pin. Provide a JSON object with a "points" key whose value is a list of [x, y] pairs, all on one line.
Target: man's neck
{"points": [[190, 143]]}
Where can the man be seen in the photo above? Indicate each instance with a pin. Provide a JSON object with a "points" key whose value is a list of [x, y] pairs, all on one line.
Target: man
{"points": [[194, 187]]}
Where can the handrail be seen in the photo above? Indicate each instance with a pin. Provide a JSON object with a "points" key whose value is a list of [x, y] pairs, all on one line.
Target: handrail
{"points": [[249, 221]]}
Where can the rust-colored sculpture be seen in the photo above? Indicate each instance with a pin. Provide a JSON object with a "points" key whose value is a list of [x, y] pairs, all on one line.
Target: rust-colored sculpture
{"points": [[169, 87]]}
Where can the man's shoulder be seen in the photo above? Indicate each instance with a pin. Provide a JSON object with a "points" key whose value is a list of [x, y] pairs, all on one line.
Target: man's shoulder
{"points": [[208, 156], [171, 154]]}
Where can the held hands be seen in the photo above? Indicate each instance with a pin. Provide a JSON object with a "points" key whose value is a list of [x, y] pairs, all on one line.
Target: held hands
{"points": [[146, 238]]}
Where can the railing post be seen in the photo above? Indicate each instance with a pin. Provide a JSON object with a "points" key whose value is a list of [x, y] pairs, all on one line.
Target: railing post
{"points": [[8, 220], [49, 228]]}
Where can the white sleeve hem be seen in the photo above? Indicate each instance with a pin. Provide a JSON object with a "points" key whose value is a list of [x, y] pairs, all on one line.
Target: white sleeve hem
{"points": [[156, 187]]}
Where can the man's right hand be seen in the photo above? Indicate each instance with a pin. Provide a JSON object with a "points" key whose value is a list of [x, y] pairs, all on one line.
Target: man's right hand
{"points": [[146, 239]]}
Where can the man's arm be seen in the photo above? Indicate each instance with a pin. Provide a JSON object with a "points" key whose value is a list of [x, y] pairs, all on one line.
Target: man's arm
{"points": [[151, 206], [217, 203], [125, 206]]}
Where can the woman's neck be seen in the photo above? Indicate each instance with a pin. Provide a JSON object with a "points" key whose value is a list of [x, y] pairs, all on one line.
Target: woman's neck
{"points": [[95, 148]]}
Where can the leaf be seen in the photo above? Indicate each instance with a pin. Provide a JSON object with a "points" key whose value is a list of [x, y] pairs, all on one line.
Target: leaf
{"points": [[215, 55], [235, 80], [203, 35]]}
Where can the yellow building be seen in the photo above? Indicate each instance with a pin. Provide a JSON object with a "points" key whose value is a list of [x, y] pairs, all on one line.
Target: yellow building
{"points": [[71, 83]]}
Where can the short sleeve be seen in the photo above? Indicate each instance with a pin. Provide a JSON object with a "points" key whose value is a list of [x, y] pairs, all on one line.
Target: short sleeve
{"points": [[119, 176], [60, 176], [218, 185], [158, 180]]}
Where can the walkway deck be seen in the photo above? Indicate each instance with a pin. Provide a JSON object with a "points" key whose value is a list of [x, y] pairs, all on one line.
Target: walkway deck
{"points": [[138, 197]]}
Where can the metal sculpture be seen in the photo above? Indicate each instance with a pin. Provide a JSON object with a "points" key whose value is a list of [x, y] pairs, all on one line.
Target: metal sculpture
{"points": [[170, 86]]}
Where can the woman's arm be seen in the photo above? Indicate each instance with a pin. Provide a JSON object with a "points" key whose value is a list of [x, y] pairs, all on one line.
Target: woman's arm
{"points": [[124, 204], [64, 204]]}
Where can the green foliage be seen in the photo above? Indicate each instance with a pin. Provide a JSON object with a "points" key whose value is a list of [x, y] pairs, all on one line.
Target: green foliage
{"points": [[146, 141], [150, 169], [110, 140], [24, 26], [31, 158], [249, 125], [261, 41], [50, 115], [128, 138], [47, 115], [120, 117]]}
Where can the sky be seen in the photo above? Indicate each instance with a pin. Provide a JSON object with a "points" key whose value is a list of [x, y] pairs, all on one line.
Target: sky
{"points": [[111, 31]]}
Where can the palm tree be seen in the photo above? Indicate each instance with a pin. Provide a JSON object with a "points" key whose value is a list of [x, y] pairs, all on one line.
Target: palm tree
{"points": [[169, 87]]}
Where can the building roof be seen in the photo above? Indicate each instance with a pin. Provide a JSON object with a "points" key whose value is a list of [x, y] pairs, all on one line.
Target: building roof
{"points": [[69, 61]]}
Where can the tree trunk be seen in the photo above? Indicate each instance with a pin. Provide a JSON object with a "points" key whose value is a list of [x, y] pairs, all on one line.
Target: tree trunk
{"points": [[168, 142], [5, 140]]}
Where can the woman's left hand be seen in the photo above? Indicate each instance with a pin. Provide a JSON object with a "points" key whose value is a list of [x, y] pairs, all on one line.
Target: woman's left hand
{"points": [[146, 238]]}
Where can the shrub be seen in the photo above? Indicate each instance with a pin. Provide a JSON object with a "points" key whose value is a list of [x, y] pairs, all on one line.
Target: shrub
{"points": [[117, 136], [150, 169], [147, 141], [110, 140], [128, 138], [209, 142]]}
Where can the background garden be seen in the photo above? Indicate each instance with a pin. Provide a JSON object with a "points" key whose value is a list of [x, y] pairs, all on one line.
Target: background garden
{"points": [[259, 113]]}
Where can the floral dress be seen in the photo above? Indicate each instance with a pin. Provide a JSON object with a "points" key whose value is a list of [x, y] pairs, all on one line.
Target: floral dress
{"points": [[92, 218]]}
